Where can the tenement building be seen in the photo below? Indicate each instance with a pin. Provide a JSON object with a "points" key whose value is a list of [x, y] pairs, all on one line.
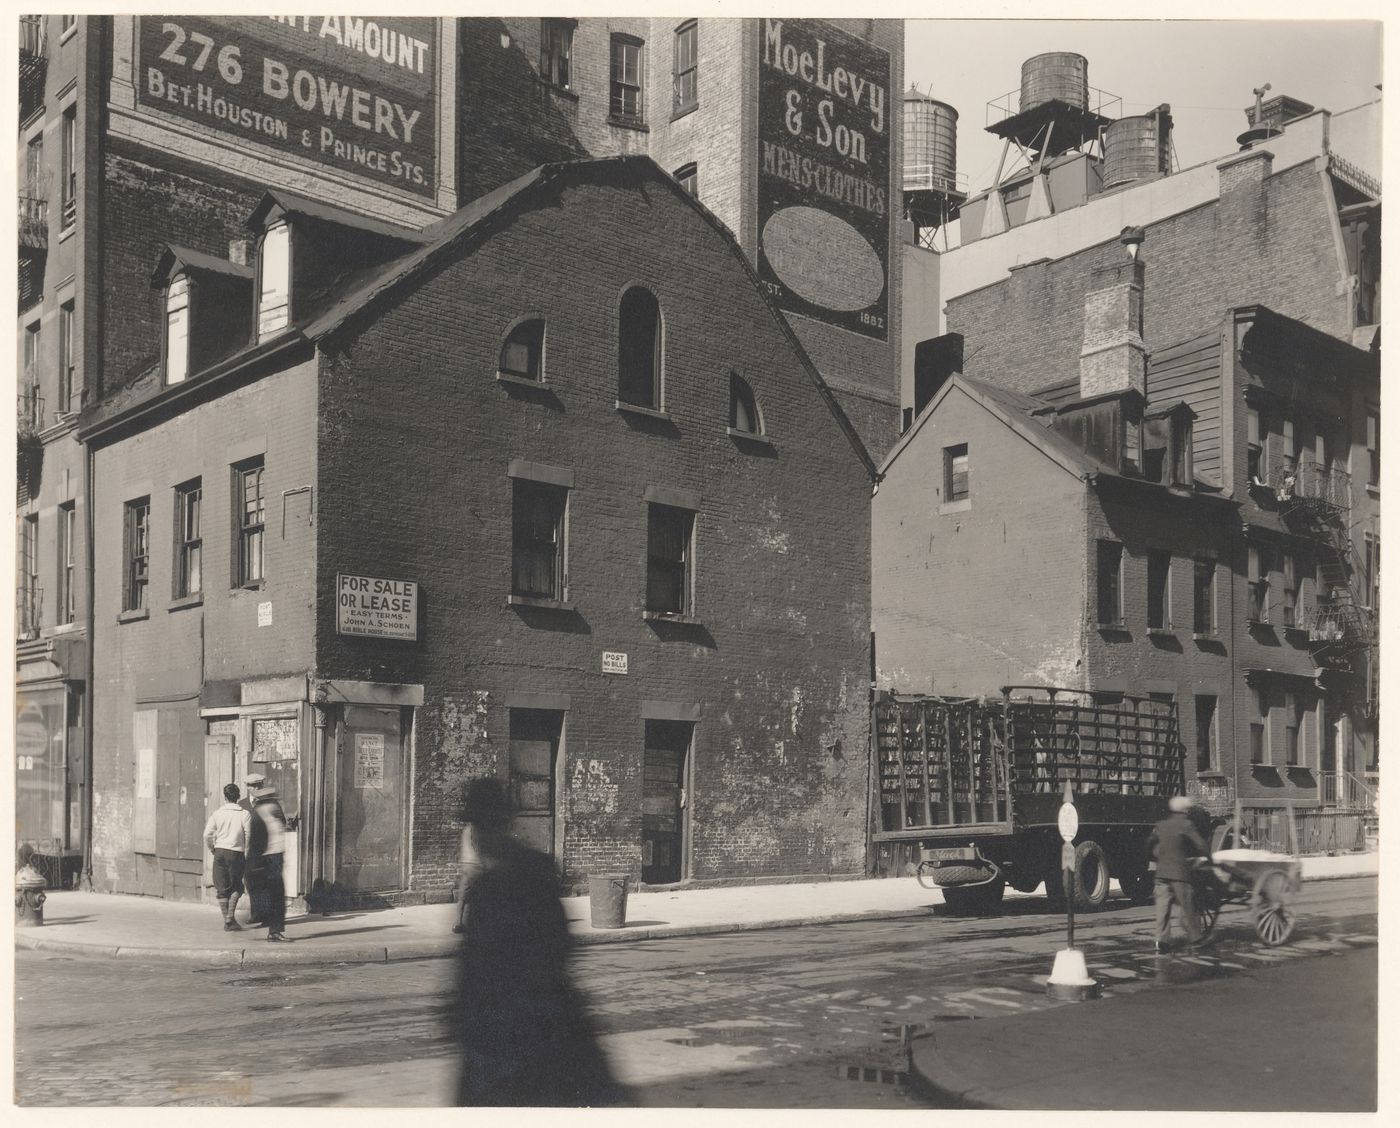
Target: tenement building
{"points": [[392, 508], [1244, 583], [147, 142]]}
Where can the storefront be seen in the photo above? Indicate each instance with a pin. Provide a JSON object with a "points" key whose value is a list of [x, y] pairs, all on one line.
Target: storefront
{"points": [[49, 758], [338, 754]]}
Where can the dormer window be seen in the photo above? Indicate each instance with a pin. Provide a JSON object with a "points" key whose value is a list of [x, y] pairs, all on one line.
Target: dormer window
{"points": [[274, 281], [177, 330], [1180, 451]]}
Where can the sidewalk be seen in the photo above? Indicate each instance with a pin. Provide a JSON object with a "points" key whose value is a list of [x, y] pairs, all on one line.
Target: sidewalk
{"points": [[141, 928], [1181, 1048]]}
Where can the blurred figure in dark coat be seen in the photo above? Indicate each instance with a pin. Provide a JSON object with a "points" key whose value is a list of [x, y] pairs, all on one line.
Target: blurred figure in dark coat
{"points": [[523, 1035]]}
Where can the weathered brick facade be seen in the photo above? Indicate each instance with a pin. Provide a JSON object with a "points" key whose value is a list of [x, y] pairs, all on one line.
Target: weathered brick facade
{"points": [[409, 440]]}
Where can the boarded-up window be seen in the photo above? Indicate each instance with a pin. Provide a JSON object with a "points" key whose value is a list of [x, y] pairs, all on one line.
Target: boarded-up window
{"points": [[1159, 590], [1110, 583], [144, 729], [955, 470]]}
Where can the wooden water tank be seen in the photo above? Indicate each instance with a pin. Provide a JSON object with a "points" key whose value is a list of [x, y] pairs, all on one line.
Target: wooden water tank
{"points": [[1060, 76]]}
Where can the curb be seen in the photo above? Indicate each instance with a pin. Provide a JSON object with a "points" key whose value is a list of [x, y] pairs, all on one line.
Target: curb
{"points": [[304, 953], [944, 1087]]}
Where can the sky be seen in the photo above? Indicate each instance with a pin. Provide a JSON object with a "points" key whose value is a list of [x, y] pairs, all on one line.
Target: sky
{"points": [[1205, 69]]}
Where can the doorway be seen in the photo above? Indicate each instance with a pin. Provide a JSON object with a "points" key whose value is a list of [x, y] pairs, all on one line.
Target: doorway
{"points": [[371, 800], [665, 803], [534, 756]]}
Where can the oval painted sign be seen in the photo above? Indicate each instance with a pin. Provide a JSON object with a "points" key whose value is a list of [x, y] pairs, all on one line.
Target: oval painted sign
{"points": [[823, 259], [1069, 822]]}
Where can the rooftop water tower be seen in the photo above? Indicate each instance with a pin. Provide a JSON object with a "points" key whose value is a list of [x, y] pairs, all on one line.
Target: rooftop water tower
{"points": [[1051, 131], [933, 190]]}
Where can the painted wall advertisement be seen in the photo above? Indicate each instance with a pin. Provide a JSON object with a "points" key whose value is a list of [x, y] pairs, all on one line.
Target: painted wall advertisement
{"points": [[375, 608], [356, 95], [824, 173]]}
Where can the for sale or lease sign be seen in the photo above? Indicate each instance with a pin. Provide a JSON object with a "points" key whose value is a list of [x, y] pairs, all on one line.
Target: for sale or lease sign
{"points": [[376, 608]]}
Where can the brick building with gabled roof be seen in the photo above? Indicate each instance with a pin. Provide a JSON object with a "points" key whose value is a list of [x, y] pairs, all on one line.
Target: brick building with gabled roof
{"points": [[523, 499]]}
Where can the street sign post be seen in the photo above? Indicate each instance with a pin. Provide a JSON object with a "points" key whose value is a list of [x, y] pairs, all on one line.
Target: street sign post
{"points": [[1070, 978], [1069, 827]]}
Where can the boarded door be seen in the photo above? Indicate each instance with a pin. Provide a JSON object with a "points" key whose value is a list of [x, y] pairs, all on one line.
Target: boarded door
{"points": [[372, 800], [218, 771], [534, 751], [143, 809], [663, 800]]}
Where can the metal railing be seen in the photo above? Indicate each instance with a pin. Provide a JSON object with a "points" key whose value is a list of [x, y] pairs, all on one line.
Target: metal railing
{"points": [[34, 36], [33, 222], [1100, 102], [922, 178], [29, 609], [1318, 832], [1344, 789], [29, 408], [1328, 486]]}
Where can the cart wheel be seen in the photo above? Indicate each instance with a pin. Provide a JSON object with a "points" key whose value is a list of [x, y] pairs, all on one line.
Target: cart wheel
{"points": [[1272, 902], [1206, 905]]}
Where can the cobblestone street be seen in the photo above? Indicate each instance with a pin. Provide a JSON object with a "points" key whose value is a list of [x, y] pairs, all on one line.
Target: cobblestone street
{"points": [[790, 1018]]}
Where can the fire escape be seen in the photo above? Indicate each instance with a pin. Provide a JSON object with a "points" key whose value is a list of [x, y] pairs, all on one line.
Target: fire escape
{"points": [[33, 202], [1342, 630], [1316, 503]]}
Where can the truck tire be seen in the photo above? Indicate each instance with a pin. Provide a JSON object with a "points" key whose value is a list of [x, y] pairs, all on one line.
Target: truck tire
{"points": [[1091, 876], [974, 900]]}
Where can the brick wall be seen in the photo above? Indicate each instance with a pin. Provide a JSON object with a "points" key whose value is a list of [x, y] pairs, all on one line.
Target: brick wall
{"points": [[969, 599], [1266, 242], [416, 438], [512, 122], [175, 649], [146, 206]]}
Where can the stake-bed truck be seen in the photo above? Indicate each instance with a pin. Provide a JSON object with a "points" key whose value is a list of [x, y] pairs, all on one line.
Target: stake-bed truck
{"points": [[969, 790]]}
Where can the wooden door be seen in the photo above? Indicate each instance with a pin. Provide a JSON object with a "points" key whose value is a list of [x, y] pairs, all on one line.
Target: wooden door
{"points": [[168, 784], [664, 805], [534, 751], [218, 771], [371, 800]]}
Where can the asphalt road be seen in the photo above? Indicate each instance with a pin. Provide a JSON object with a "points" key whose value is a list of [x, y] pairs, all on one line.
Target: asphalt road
{"points": [[815, 1017]]}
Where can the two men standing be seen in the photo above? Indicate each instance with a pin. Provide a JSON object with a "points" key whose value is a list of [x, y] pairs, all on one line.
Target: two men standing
{"points": [[247, 840]]}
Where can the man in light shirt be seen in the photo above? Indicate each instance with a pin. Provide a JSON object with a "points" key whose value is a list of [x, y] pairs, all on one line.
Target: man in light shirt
{"points": [[226, 835]]}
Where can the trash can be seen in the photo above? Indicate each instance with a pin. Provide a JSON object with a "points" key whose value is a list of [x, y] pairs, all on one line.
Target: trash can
{"points": [[607, 899]]}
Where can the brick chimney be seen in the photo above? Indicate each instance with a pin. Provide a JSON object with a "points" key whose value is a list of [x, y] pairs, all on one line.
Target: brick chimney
{"points": [[1113, 357]]}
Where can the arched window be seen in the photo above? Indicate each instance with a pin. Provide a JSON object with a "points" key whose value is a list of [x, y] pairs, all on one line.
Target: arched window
{"points": [[639, 350], [743, 408], [522, 354]]}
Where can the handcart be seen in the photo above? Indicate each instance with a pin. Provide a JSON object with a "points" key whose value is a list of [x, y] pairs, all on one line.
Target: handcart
{"points": [[1267, 881]]}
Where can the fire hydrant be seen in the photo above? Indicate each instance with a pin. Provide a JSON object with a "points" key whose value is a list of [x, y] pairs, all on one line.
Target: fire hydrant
{"points": [[29, 897]]}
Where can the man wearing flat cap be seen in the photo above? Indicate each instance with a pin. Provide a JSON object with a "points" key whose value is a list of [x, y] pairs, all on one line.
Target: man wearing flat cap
{"points": [[1175, 844], [266, 843], [252, 877]]}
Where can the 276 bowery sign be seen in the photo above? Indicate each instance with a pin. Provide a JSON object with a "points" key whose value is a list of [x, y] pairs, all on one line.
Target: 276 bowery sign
{"points": [[354, 94], [376, 608]]}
